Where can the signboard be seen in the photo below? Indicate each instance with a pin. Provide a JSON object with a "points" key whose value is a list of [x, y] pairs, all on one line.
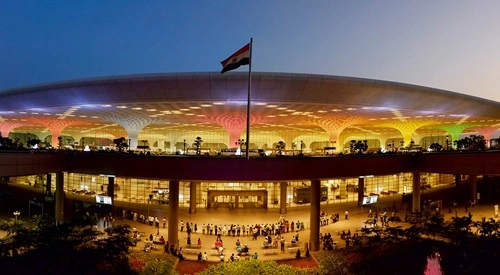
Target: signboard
{"points": [[370, 200], [103, 199]]}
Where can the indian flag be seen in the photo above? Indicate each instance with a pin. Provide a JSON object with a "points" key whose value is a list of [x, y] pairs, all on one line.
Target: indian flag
{"points": [[237, 59]]}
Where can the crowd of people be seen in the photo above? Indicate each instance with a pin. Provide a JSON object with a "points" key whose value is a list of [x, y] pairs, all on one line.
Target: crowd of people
{"points": [[272, 232]]}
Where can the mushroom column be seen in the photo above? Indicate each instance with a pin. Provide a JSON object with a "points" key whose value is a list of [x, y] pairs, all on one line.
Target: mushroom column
{"points": [[56, 126], [133, 125], [7, 127]]}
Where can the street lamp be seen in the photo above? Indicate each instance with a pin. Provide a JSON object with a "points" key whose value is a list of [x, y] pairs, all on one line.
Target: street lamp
{"points": [[301, 147], [16, 213], [184, 147]]}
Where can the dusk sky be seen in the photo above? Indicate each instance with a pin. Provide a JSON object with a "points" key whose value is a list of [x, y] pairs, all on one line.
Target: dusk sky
{"points": [[446, 44]]}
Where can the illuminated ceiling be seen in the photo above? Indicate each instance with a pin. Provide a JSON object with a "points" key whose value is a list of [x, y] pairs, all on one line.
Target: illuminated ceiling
{"points": [[282, 104]]}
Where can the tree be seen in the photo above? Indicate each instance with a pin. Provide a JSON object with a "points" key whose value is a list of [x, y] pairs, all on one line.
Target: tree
{"points": [[395, 232], [280, 146], [434, 224], [488, 228], [358, 147], [120, 143], [47, 248], [473, 142], [436, 147], [197, 145], [334, 263], [59, 142], [32, 142], [7, 143], [255, 267], [459, 228], [158, 267]]}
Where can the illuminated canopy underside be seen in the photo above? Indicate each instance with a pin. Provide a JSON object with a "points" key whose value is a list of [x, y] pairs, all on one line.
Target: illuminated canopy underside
{"points": [[284, 107]]}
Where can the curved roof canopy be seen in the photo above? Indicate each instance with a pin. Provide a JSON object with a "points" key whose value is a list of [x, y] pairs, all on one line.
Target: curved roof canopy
{"points": [[284, 105]]}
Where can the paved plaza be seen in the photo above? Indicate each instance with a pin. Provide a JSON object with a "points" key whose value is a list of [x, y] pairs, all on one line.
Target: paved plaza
{"points": [[220, 216]]}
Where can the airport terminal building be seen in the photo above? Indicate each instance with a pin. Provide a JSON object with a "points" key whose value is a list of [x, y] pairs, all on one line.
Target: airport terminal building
{"points": [[186, 134]]}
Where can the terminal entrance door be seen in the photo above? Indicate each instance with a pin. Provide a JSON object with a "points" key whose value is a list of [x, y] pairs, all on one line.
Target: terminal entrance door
{"points": [[237, 199]]}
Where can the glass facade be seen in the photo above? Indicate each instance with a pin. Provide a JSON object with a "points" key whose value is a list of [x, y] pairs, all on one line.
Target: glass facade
{"points": [[132, 192]]}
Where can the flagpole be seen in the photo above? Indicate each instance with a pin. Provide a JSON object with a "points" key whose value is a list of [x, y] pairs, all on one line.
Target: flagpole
{"points": [[248, 100]]}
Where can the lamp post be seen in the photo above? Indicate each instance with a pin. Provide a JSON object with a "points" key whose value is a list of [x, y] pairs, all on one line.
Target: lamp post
{"points": [[447, 142], [301, 147], [184, 147], [16, 213]]}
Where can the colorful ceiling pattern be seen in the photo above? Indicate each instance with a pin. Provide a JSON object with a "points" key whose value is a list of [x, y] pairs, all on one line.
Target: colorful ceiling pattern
{"points": [[288, 107]]}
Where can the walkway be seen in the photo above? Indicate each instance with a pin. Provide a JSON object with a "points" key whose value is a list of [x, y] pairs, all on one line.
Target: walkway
{"points": [[356, 220]]}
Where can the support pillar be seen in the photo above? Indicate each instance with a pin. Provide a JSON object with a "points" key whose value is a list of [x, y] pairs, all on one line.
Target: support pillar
{"points": [[59, 197], [111, 193], [314, 218], [473, 188], [48, 190], [416, 192], [133, 137], [398, 180], [283, 187], [343, 189], [457, 180], [192, 197], [173, 215], [361, 191]]}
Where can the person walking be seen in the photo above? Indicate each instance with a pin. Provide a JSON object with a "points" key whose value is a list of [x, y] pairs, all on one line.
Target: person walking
{"points": [[346, 215], [282, 244]]}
